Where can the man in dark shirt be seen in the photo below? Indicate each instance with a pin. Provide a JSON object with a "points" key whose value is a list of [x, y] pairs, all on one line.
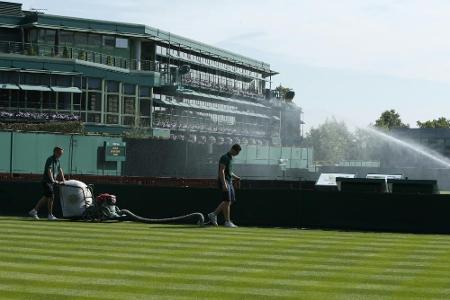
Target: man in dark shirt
{"points": [[52, 171], [225, 183]]}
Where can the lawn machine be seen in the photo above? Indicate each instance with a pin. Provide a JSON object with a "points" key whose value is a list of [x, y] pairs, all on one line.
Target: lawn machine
{"points": [[78, 203]]}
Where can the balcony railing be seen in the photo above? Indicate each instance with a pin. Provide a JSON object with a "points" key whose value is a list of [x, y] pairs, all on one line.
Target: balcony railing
{"points": [[213, 86], [46, 50]]}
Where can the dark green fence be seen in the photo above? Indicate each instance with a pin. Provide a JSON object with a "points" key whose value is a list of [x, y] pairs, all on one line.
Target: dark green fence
{"points": [[25, 153], [267, 207]]}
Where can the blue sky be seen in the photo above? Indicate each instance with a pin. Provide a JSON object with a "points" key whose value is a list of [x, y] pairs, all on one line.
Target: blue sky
{"points": [[351, 59]]}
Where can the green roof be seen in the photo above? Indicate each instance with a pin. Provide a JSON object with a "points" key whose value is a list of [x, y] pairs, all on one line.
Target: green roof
{"points": [[143, 31]]}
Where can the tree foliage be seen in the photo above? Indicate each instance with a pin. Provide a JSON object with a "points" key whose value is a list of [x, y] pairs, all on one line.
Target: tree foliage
{"points": [[390, 119], [442, 122], [332, 141], [285, 92]]}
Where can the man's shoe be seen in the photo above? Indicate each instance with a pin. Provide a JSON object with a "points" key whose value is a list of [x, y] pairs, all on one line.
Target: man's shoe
{"points": [[229, 224], [33, 213], [213, 219], [52, 218]]}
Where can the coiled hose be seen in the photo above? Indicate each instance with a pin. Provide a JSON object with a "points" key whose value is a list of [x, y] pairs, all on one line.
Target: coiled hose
{"points": [[198, 216]]}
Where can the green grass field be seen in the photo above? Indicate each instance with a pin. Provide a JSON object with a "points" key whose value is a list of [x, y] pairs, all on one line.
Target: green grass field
{"points": [[68, 260]]}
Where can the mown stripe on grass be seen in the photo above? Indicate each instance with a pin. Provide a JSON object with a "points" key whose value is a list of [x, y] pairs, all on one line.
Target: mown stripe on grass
{"points": [[96, 285], [250, 232], [116, 276], [240, 264], [257, 261], [183, 244]]}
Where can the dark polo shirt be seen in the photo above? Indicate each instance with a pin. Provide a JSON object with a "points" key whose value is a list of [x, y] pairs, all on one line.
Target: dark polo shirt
{"points": [[227, 161], [52, 163]]}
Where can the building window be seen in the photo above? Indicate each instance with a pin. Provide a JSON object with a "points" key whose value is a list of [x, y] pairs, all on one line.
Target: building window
{"points": [[128, 121], [129, 89], [113, 86], [33, 36], [144, 91], [94, 84], [112, 119], [81, 38], [64, 101], [4, 98], [61, 80], [9, 77], [17, 98], [47, 36], [112, 104], [65, 37], [77, 82], [94, 40], [94, 102], [121, 43], [48, 100], [145, 107], [79, 102], [34, 100], [128, 106], [35, 79], [109, 41], [93, 118]]}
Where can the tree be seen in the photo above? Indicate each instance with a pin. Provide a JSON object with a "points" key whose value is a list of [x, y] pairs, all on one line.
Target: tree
{"points": [[285, 93], [439, 123], [369, 147], [390, 119], [332, 142]]}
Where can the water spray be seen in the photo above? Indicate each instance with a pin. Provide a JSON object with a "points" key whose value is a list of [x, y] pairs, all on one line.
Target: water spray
{"points": [[443, 161]]}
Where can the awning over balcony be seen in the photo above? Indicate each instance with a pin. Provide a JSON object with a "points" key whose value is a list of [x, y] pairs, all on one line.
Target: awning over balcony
{"points": [[39, 88], [8, 86], [61, 89]]}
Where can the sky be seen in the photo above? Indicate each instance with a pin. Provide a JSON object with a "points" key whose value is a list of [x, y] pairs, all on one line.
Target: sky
{"points": [[348, 59]]}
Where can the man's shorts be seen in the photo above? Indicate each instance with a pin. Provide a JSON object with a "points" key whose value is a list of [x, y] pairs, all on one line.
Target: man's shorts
{"points": [[229, 195], [48, 190]]}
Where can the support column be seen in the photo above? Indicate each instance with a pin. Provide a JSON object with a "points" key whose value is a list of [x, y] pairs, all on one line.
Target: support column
{"points": [[137, 114], [138, 54], [151, 109]]}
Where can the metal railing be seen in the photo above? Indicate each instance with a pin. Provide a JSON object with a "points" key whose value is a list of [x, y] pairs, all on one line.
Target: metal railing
{"points": [[46, 50], [219, 87]]}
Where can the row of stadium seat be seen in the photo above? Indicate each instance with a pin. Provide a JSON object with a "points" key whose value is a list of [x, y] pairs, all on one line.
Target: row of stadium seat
{"points": [[187, 80], [198, 127], [202, 139]]}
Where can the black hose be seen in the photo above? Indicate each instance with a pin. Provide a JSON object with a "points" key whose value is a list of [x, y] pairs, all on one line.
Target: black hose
{"points": [[198, 216]]}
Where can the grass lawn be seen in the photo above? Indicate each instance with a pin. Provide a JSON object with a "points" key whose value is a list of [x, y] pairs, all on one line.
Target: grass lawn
{"points": [[71, 260]]}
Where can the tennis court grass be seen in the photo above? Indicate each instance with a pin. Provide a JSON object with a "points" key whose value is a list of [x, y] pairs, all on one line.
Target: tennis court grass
{"points": [[68, 260]]}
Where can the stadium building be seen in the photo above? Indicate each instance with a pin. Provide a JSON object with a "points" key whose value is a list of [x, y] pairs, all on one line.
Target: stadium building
{"points": [[122, 78], [118, 75]]}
